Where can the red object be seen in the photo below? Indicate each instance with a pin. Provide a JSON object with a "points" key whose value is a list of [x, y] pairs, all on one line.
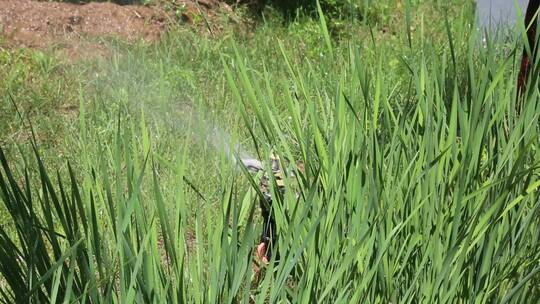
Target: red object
{"points": [[531, 38], [261, 252]]}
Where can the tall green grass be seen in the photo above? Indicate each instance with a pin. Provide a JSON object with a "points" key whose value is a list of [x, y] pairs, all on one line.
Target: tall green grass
{"points": [[421, 185]]}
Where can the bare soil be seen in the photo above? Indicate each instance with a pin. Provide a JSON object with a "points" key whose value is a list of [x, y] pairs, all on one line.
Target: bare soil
{"points": [[67, 26]]}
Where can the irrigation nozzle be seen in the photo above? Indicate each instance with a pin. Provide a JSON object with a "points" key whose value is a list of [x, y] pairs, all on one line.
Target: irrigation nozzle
{"points": [[269, 233]]}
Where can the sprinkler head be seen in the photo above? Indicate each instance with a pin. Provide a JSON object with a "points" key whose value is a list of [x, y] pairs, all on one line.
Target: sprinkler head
{"points": [[269, 235], [253, 165]]}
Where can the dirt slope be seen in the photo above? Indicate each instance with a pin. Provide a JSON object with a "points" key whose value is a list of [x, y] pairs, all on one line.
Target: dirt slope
{"points": [[27, 23]]}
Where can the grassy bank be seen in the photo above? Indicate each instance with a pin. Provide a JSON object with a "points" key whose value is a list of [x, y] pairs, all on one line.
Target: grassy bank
{"points": [[420, 183]]}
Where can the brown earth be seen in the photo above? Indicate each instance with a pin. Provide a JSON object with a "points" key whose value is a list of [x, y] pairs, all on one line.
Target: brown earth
{"points": [[67, 26]]}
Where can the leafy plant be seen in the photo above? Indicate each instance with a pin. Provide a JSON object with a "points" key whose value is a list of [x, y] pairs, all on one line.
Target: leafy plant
{"points": [[421, 180]]}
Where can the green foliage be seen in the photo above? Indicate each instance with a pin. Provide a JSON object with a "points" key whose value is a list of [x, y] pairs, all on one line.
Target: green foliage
{"points": [[351, 10], [421, 181]]}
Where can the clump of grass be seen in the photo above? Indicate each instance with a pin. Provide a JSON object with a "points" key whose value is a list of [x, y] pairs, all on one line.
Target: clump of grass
{"points": [[419, 186]]}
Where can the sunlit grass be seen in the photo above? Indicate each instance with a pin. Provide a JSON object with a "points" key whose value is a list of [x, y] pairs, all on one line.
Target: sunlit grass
{"points": [[420, 183]]}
